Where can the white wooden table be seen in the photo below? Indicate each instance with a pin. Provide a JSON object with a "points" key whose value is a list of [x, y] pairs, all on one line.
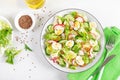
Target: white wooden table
{"points": [[32, 65]]}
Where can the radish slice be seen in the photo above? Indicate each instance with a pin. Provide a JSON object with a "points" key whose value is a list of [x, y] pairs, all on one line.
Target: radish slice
{"points": [[80, 19]]}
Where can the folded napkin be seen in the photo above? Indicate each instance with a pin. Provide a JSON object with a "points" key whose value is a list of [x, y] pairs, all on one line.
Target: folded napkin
{"points": [[112, 69]]}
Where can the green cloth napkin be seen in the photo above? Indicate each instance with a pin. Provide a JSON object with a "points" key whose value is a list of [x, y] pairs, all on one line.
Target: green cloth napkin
{"points": [[112, 68]]}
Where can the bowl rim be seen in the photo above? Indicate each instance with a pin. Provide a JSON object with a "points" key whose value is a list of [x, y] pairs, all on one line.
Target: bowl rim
{"points": [[43, 51], [21, 14]]}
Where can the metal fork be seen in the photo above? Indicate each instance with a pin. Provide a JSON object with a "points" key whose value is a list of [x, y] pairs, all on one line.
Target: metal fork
{"points": [[109, 45]]}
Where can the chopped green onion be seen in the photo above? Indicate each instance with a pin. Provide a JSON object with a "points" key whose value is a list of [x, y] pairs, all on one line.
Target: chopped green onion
{"points": [[10, 53], [26, 47]]}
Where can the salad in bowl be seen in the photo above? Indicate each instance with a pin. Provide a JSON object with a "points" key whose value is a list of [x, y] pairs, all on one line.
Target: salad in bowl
{"points": [[72, 40]]}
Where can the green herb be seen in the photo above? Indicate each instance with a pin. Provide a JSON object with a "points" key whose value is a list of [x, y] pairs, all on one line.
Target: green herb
{"points": [[10, 53], [27, 48]]}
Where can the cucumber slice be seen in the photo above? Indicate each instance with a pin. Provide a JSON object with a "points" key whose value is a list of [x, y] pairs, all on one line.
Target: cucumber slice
{"points": [[86, 59], [96, 48], [63, 41], [87, 26], [60, 19], [69, 17], [67, 32], [48, 50], [61, 62], [76, 48], [66, 23], [50, 28], [73, 32], [52, 36], [72, 67]]}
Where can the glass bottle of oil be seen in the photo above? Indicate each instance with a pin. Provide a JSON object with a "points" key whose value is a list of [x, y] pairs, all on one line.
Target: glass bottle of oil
{"points": [[35, 4]]}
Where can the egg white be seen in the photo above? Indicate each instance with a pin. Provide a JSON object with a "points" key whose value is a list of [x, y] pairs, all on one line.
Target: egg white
{"points": [[69, 43], [93, 24], [59, 29], [81, 52], [76, 25], [93, 43], [80, 19], [79, 60], [56, 46], [96, 35]]}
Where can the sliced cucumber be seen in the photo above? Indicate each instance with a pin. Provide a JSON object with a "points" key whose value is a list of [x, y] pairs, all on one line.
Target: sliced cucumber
{"points": [[72, 67], [83, 35], [91, 37], [52, 36], [87, 26], [60, 19], [61, 54], [47, 43], [69, 17], [76, 48], [67, 32], [48, 50], [67, 27], [73, 32], [86, 59], [96, 48], [66, 23], [50, 28], [62, 41], [61, 62]]}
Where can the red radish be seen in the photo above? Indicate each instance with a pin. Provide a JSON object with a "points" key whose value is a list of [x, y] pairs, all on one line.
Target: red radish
{"points": [[80, 19], [59, 29], [54, 59], [62, 25], [51, 41], [74, 62]]}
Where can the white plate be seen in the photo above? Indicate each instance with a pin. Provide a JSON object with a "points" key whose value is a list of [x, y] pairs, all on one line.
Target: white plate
{"points": [[90, 17], [7, 21]]}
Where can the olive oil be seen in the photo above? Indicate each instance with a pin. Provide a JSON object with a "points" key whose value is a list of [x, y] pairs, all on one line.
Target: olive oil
{"points": [[35, 4]]}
